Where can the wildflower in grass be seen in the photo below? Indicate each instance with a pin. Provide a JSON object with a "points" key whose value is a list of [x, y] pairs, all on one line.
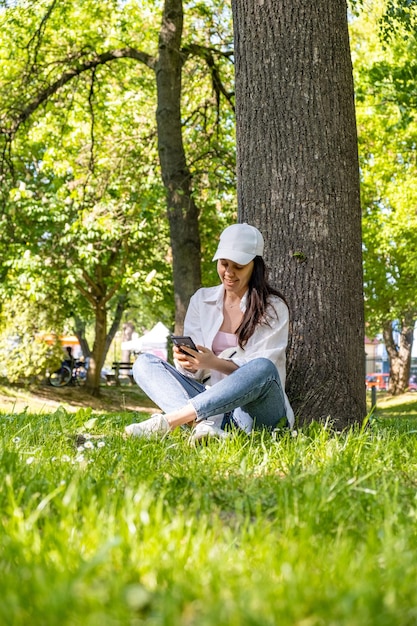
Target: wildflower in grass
{"points": [[30, 460], [88, 445], [80, 458], [137, 597], [101, 444], [16, 439], [65, 458], [80, 448]]}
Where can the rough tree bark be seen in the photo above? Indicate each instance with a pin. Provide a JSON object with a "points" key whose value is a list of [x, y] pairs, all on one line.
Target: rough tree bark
{"points": [[298, 181]]}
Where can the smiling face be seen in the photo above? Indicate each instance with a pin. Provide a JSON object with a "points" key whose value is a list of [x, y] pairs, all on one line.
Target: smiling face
{"points": [[235, 277]]}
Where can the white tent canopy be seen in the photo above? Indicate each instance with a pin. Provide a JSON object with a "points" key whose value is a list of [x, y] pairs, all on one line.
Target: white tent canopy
{"points": [[154, 341]]}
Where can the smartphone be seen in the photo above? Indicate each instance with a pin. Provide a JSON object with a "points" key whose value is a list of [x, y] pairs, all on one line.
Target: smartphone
{"points": [[183, 341]]}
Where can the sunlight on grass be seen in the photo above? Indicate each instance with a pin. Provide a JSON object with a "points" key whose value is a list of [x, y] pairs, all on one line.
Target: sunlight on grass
{"points": [[397, 408], [313, 529], [406, 400]]}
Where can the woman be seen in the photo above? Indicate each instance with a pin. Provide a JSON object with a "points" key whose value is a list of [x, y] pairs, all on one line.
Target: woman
{"points": [[237, 376]]}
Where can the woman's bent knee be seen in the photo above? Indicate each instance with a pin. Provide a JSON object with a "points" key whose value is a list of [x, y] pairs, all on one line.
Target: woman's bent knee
{"points": [[142, 366], [264, 366]]}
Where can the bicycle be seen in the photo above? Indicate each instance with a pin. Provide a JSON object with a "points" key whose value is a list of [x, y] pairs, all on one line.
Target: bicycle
{"points": [[66, 375]]}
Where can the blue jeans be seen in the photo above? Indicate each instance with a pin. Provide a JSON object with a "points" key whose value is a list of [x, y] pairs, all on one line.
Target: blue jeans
{"points": [[253, 390]]}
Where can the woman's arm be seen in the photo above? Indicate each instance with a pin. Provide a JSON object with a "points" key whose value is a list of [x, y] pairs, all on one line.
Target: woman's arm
{"points": [[205, 359]]}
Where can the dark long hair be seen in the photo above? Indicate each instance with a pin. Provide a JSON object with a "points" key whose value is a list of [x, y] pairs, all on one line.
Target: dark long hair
{"points": [[259, 291]]}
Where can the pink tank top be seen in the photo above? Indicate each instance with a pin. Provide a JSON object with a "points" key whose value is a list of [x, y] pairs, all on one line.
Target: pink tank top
{"points": [[222, 341]]}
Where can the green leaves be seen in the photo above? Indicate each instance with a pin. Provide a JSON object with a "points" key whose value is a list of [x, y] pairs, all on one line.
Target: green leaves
{"points": [[399, 13], [84, 207], [387, 126]]}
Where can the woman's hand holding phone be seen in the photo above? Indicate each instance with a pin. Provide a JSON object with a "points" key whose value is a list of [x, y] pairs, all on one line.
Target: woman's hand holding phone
{"points": [[180, 346], [183, 342], [190, 356]]}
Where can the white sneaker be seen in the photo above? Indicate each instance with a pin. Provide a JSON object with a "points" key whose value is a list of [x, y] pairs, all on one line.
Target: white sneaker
{"points": [[152, 427], [207, 429]]}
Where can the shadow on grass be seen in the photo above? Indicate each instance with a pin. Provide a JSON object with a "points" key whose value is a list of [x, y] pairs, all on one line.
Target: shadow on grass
{"points": [[112, 398]]}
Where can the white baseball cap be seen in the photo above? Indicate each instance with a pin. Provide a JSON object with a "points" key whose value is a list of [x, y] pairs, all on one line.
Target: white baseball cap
{"points": [[240, 243]]}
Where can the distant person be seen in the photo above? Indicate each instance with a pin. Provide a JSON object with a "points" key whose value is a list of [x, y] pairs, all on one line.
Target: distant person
{"points": [[69, 359], [237, 376]]}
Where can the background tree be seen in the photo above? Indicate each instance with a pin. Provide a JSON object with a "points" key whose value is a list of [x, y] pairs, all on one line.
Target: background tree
{"points": [[93, 175], [385, 77], [42, 81], [89, 207], [298, 180]]}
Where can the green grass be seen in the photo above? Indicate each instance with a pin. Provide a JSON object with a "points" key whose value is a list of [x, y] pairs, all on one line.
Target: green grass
{"points": [[317, 529]]}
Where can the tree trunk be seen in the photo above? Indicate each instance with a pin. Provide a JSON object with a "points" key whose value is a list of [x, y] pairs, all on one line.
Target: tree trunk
{"points": [[298, 181], [80, 334], [128, 329], [182, 211], [98, 353], [102, 338], [399, 355]]}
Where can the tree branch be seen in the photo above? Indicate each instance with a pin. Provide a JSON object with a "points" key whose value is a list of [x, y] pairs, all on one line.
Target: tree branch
{"points": [[37, 36], [66, 77], [91, 108], [207, 54], [120, 307]]}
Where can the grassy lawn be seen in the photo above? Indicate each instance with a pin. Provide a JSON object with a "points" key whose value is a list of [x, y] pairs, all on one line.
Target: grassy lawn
{"points": [[316, 529]]}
